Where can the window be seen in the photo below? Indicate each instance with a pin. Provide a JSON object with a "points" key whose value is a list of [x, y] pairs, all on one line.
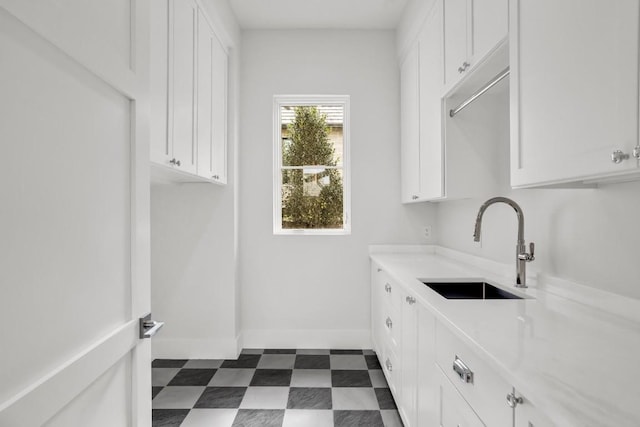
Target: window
{"points": [[311, 165]]}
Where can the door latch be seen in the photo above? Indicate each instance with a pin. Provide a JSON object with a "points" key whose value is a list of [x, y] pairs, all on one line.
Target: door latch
{"points": [[148, 327]]}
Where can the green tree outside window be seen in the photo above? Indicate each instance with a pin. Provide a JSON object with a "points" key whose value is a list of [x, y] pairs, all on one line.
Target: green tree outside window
{"points": [[312, 190]]}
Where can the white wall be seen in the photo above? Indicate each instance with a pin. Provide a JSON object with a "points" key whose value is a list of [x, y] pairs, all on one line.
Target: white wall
{"points": [[194, 241], [313, 291], [192, 270]]}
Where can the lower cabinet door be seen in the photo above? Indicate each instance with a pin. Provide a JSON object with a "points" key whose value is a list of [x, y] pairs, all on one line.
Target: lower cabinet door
{"points": [[409, 356], [454, 410], [391, 367], [527, 415]]}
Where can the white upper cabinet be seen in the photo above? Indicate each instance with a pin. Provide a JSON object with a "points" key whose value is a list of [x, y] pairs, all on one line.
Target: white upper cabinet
{"points": [[574, 91], [188, 95], [421, 83], [455, 40], [183, 19], [212, 104], [431, 83], [159, 88], [410, 125], [472, 29], [489, 25]]}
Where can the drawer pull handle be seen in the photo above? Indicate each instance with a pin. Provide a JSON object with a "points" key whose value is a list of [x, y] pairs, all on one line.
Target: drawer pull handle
{"points": [[513, 400], [387, 288], [410, 300], [463, 371], [388, 365], [389, 323]]}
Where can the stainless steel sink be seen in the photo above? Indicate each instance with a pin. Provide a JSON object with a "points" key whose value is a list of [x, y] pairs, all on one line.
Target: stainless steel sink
{"points": [[469, 290]]}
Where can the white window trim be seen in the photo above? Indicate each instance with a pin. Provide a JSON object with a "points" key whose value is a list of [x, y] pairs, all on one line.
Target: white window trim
{"points": [[310, 100]]}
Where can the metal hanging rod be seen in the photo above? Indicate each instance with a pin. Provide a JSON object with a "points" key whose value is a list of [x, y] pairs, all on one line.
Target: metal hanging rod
{"points": [[476, 95]]}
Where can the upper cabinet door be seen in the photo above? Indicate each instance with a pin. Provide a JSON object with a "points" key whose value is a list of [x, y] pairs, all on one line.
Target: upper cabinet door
{"points": [[431, 84], [182, 75], [219, 93], [574, 90], [212, 104], [455, 40], [159, 94], [489, 26], [410, 125], [472, 29], [206, 38]]}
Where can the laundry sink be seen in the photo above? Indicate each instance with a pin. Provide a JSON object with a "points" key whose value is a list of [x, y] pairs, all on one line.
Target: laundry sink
{"points": [[469, 290]]}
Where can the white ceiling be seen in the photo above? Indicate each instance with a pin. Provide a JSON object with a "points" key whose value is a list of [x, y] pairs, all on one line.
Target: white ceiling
{"points": [[318, 14]]}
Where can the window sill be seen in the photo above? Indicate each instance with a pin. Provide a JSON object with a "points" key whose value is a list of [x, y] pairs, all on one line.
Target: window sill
{"points": [[312, 232]]}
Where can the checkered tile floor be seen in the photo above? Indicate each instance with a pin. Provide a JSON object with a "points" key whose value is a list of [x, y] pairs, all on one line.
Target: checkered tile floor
{"points": [[283, 388]]}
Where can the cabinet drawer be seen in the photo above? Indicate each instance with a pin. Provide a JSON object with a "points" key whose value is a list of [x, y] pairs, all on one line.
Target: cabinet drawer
{"points": [[385, 289], [391, 368], [454, 411], [387, 313], [392, 296], [479, 384], [392, 333]]}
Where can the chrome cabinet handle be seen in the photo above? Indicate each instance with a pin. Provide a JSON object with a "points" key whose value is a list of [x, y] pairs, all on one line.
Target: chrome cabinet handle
{"points": [[464, 67], [389, 323], [411, 300], [636, 152], [618, 156], [463, 371], [216, 177], [414, 197], [388, 365], [513, 400], [387, 287], [174, 162]]}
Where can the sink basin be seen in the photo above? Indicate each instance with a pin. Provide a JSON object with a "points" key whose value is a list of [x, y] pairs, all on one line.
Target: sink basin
{"points": [[470, 290]]}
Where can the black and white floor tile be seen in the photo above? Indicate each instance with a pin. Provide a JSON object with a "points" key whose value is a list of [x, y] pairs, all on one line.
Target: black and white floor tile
{"points": [[279, 388]]}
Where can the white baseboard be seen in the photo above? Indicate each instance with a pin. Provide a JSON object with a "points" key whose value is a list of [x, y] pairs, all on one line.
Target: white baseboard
{"points": [[307, 338], [173, 348]]}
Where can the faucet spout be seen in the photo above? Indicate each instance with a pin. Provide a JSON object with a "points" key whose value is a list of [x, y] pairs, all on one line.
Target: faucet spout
{"points": [[522, 257]]}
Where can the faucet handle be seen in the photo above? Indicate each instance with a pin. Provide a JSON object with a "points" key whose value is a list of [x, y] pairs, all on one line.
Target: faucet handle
{"points": [[524, 256]]}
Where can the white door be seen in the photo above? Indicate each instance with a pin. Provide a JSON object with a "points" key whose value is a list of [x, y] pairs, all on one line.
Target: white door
{"points": [[74, 209]]}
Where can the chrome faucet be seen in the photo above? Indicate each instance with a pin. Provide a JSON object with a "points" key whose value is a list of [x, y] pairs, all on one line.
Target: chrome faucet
{"points": [[522, 257]]}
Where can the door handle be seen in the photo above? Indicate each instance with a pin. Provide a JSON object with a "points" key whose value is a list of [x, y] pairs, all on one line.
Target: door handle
{"points": [[148, 327]]}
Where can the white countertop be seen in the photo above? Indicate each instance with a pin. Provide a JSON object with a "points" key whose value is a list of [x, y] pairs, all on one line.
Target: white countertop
{"points": [[578, 365]]}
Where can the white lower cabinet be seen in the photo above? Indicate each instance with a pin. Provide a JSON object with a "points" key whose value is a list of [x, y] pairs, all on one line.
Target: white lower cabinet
{"points": [[454, 410], [481, 386], [527, 415], [409, 360], [385, 325], [436, 378], [427, 388]]}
